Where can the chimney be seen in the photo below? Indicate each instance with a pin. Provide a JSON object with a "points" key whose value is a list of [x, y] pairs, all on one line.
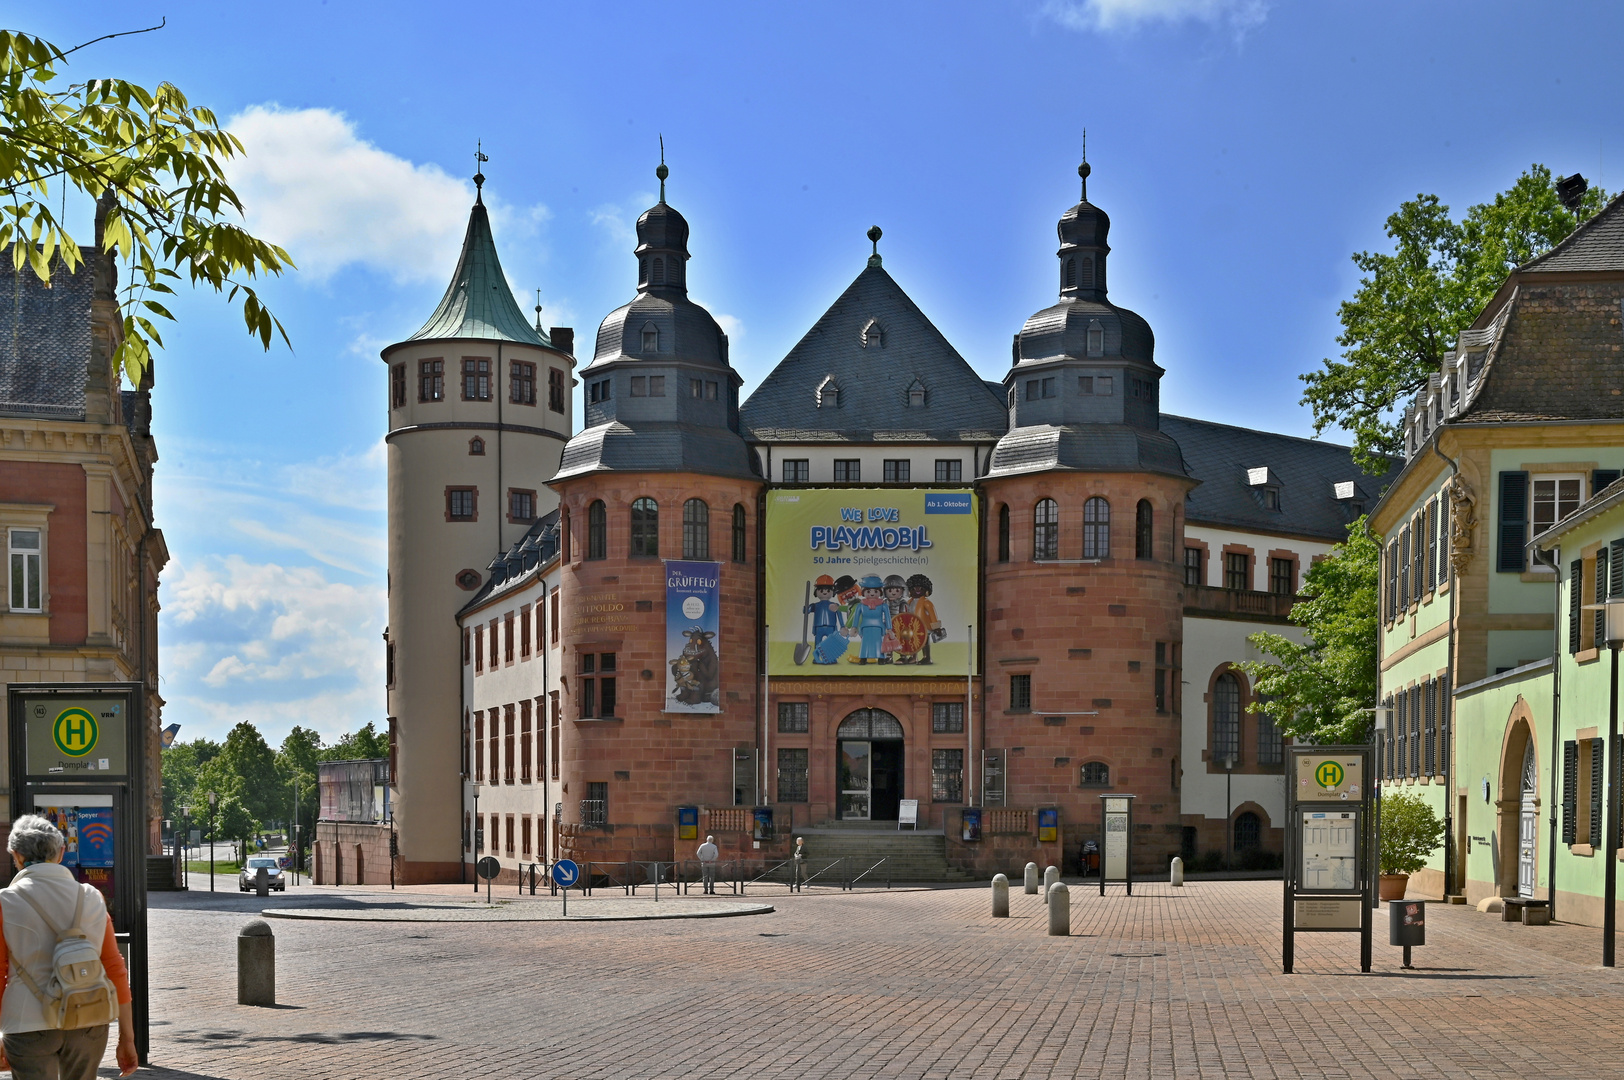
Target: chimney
{"points": [[563, 338]]}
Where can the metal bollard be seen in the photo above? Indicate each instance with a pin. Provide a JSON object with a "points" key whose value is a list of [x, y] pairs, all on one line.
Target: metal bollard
{"points": [[1032, 879], [1000, 896], [262, 881], [1178, 872], [1059, 910], [256, 964], [1051, 874]]}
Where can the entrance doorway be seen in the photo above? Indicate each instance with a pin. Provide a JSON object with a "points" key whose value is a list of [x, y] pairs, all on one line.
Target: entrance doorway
{"points": [[869, 766], [1528, 823]]}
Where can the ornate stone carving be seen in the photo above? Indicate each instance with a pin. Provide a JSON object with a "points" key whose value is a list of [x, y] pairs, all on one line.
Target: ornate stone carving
{"points": [[1462, 521]]}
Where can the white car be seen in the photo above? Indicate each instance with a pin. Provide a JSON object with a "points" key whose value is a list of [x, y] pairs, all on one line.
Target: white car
{"points": [[248, 880]]}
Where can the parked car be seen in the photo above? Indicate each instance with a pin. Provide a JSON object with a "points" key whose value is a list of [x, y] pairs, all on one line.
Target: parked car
{"points": [[248, 880]]}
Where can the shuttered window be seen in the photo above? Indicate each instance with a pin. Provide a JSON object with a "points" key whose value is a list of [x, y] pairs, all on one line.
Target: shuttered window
{"points": [[1615, 585], [1418, 554], [1600, 478], [1432, 545], [1576, 582], [1404, 570], [1443, 723], [1570, 792], [1401, 722], [1601, 595], [1415, 730], [1389, 740], [1513, 528], [1430, 737], [1443, 537], [1596, 785], [1392, 580]]}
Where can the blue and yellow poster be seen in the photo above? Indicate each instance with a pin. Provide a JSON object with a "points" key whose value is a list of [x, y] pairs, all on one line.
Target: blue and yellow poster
{"points": [[693, 601], [95, 836]]}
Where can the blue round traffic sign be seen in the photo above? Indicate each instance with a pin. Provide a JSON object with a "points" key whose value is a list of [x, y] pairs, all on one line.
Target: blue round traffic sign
{"points": [[565, 873]]}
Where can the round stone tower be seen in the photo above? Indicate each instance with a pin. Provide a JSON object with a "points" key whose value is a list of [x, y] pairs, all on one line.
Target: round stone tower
{"points": [[479, 413]]}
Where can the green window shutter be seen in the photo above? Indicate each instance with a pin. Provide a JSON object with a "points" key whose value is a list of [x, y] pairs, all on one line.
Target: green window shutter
{"points": [[1415, 730], [1570, 792], [1602, 577], [1600, 478], [1432, 545], [1513, 529], [1615, 585], [1576, 580], [1388, 768], [1404, 570], [1596, 758]]}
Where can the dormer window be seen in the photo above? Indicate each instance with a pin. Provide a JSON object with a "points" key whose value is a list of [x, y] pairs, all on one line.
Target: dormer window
{"points": [[916, 395], [873, 335], [476, 447], [1266, 485], [1096, 338], [651, 338], [828, 393]]}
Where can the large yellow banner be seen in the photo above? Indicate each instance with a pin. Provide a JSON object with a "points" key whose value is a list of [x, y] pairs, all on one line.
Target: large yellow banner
{"points": [[871, 581]]}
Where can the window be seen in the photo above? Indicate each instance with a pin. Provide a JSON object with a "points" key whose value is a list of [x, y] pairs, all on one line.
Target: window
{"points": [[1088, 272], [597, 685], [1096, 338], [476, 378], [1415, 730], [1237, 570], [739, 524], [659, 271], [522, 383], [524, 634], [461, 504], [796, 471], [1270, 744], [702, 388], [794, 717], [1431, 569], [476, 447], [552, 613], [507, 638], [1418, 553], [916, 395], [639, 386], [848, 470], [1401, 741], [1103, 385], [793, 770], [1570, 792], [431, 380], [645, 529], [1282, 576], [1554, 499], [1144, 532], [1270, 497], [949, 470], [1392, 580], [1576, 580], [494, 640], [508, 756], [552, 737], [602, 390], [695, 529], [1096, 529], [947, 775], [479, 833], [1040, 388], [597, 530], [651, 339], [897, 470], [27, 593], [1085, 385], [524, 836], [1020, 693], [595, 807], [1513, 530], [1003, 533], [479, 746], [1226, 719], [521, 506], [947, 717], [1046, 530], [656, 386], [525, 749], [555, 390], [828, 393], [479, 649], [1443, 538], [1404, 568], [1429, 731], [873, 335], [1071, 274], [397, 386], [467, 650], [1601, 578], [1192, 566], [1095, 774], [1248, 831]]}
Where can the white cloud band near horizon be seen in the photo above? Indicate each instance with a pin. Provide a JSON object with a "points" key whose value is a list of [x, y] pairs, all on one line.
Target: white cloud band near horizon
{"points": [[1110, 16]]}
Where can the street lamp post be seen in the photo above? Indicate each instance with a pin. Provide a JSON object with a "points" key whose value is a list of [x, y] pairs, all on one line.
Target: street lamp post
{"points": [[214, 798], [474, 839], [1229, 811], [1609, 914]]}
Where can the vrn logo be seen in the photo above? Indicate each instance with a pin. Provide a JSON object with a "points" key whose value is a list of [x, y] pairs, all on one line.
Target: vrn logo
{"points": [[75, 732]]}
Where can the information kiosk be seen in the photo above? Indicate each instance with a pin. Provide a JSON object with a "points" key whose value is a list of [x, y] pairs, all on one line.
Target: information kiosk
{"points": [[78, 757], [1116, 841], [1328, 846]]}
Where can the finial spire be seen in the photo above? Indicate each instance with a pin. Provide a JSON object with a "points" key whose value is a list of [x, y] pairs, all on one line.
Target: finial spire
{"points": [[479, 175], [538, 310], [662, 172], [874, 235], [1083, 170]]}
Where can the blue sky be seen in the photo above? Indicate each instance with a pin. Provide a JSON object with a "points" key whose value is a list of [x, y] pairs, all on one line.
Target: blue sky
{"points": [[1243, 148]]}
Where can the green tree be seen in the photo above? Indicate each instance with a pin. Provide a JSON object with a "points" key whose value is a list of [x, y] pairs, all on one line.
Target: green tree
{"points": [[366, 743], [154, 161], [181, 763], [233, 821], [1411, 832], [300, 753], [1320, 691], [261, 786], [1413, 301]]}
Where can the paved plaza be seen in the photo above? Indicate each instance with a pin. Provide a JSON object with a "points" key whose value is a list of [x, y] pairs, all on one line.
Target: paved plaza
{"points": [[906, 983]]}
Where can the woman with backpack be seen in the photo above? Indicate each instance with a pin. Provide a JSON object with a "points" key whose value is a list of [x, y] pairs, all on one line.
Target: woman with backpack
{"points": [[62, 978]]}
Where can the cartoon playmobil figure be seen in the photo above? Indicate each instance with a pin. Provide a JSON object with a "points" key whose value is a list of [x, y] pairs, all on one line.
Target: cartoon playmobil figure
{"points": [[919, 589], [896, 605], [872, 619], [828, 617], [847, 594]]}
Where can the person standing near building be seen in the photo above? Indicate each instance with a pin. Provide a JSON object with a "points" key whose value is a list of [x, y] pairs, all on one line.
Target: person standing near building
{"points": [[42, 896], [800, 862], [707, 856]]}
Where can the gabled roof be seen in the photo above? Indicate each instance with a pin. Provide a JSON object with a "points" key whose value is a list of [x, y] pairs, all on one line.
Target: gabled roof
{"points": [[875, 342], [1307, 471], [45, 340], [478, 302], [1597, 246]]}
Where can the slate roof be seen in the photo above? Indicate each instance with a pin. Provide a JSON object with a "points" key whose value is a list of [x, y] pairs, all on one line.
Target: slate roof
{"points": [[45, 341], [478, 302], [1307, 470], [874, 380], [535, 548], [1085, 447], [657, 446], [1597, 246]]}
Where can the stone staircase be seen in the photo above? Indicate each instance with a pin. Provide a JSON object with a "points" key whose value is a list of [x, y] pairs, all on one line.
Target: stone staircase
{"points": [[909, 856]]}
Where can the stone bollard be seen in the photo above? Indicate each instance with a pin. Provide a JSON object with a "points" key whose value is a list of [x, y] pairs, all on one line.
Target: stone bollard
{"points": [[262, 881], [1000, 896], [1059, 910], [1051, 874], [1032, 878], [256, 964], [1178, 872]]}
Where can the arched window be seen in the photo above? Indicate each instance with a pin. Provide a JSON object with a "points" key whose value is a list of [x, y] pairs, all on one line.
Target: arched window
{"points": [[1144, 534], [476, 447], [1096, 339], [597, 530], [1088, 272], [1003, 532], [1071, 273], [645, 529], [651, 338], [1226, 719], [695, 529], [1096, 774], [870, 724], [659, 271], [738, 532], [642, 271], [1096, 529], [1248, 831], [1046, 530]]}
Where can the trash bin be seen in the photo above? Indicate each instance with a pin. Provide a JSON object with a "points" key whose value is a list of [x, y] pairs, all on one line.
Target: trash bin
{"points": [[1407, 922]]}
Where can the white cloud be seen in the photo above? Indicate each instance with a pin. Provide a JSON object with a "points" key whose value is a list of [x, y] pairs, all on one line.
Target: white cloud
{"points": [[310, 183], [1238, 16]]}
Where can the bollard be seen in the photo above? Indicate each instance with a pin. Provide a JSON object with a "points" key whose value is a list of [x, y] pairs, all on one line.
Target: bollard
{"points": [[1000, 896], [1051, 874], [1178, 872], [262, 881], [1032, 878], [1059, 910], [256, 964]]}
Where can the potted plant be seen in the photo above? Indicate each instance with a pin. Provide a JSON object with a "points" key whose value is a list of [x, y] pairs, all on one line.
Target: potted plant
{"points": [[1410, 833]]}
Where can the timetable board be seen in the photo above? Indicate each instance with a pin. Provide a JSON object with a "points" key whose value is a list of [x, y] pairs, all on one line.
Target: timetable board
{"points": [[1330, 852]]}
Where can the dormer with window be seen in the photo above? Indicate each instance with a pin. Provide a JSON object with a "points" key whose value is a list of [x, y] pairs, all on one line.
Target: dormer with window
{"points": [[828, 394], [651, 338], [873, 335], [1265, 487], [916, 394], [1096, 338]]}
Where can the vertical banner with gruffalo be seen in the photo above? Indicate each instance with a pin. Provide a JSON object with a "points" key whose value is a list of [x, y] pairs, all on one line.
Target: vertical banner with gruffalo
{"points": [[693, 603]]}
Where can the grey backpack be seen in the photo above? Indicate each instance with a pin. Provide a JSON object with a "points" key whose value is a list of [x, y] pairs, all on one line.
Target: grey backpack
{"points": [[77, 993]]}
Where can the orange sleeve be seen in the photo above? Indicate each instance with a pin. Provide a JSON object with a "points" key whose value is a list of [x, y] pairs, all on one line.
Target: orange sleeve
{"points": [[112, 961], [5, 957]]}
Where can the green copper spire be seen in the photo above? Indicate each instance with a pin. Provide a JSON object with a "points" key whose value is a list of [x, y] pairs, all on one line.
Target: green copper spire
{"points": [[478, 303]]}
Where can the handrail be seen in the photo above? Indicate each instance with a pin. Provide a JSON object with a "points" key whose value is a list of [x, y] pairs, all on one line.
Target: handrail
{"points": [[853, 881]]}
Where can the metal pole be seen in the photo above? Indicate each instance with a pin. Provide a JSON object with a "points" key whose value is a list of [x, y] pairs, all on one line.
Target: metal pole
{"points": [[970, 762], [473, 841], [1609, 912]]}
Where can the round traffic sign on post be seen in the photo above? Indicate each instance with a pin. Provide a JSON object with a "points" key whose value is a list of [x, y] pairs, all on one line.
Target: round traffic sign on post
{"points": [[487, 868], [566, 873]]}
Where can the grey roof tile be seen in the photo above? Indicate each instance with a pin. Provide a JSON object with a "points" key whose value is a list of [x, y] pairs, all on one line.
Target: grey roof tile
{"points": [[1595, 246], [45, 340]]}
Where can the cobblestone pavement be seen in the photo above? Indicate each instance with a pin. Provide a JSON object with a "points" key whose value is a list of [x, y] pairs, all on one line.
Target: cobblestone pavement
{"points": [[1167, 983]]}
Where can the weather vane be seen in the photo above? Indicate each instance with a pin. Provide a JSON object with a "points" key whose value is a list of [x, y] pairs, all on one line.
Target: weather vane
{"points": [[538, 309], [662, 172]]}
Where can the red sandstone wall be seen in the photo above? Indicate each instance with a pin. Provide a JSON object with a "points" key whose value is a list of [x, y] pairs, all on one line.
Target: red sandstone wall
{"points": [[62, 486]]}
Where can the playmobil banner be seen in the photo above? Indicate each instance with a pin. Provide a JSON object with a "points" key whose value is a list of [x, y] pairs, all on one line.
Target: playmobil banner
{"points": [[870, 581], [693, 600]]}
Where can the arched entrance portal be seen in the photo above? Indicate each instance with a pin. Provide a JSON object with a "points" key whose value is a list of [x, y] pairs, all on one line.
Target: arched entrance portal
{"points": [[869, 766], [1518, 807]]}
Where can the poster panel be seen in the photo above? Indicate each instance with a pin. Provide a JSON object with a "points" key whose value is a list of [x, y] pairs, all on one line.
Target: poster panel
{"points": [[871, 581], [693, 601]]}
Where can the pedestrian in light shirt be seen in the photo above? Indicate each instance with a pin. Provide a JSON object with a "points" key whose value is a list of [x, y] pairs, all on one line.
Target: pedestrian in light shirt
{"points": [[707, 856]]}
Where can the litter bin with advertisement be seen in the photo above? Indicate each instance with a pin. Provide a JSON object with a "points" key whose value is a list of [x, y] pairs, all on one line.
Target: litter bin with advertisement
{"points": [[1407, 925]]}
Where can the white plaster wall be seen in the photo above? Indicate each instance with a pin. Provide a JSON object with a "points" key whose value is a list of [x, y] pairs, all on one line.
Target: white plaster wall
{"points": [[821, 460], [1260, 543]]}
